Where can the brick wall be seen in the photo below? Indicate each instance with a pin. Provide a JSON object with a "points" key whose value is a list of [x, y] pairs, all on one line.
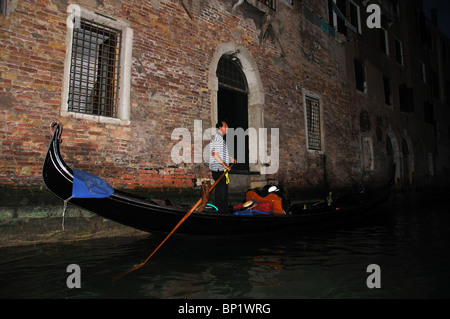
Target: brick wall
{"points": [[173, 47]]}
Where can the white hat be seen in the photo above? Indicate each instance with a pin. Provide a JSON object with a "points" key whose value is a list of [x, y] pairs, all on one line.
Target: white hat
{"points": [[273, 189]]}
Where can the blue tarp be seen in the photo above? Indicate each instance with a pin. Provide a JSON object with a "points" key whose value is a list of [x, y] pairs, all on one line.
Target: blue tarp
{"points": [[251, 212], [86, 185]]}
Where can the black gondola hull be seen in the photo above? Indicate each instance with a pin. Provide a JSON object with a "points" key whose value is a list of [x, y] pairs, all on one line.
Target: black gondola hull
{"points": [[144, 214]]}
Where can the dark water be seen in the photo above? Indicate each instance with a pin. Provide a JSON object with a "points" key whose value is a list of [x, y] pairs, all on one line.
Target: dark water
{"points": [[410, 243]]}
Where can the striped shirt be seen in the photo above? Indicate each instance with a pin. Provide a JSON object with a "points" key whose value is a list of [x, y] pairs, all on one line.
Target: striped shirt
{"points": [[219, 145]]}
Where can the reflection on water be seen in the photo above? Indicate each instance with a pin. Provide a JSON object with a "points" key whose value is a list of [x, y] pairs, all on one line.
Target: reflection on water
{"points": [[409, 243]]}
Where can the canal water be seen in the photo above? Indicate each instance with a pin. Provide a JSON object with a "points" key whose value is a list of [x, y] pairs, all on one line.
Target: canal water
{"points": [[403, 249]]}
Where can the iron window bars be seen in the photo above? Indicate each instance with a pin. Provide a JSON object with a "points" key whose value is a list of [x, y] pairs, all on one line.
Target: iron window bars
{"points": [[230, 74], [94, 70], [313, 122], [3, 7], [270, 3]]}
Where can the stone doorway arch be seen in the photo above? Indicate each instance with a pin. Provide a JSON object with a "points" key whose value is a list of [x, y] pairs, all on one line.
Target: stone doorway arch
{"points": [[407, 173], [393, 157], [255, 88]]}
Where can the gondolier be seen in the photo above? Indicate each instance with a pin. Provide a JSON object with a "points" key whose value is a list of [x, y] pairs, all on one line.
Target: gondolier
{"points": [[219, 161]]}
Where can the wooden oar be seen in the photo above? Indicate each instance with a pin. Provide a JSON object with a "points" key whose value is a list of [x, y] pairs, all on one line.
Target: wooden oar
{"points": [[201, 200]]}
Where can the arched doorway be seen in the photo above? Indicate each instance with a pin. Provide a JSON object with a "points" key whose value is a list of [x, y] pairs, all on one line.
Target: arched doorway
{"points": [[255, 91], [393, 156], [407, 163], [389, 156], [405, 156], [232, 106]]}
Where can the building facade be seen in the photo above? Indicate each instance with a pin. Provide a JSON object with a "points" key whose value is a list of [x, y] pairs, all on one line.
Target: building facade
{"points": [[329, 93]]}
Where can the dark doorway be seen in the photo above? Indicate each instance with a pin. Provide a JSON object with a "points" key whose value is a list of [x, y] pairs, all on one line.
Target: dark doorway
{"points": [[232, 105], [233, 109], [389, 157], [405, 153]]}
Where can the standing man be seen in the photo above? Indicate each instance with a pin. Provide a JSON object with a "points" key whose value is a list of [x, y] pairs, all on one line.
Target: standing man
{"points": [[219, 160]]}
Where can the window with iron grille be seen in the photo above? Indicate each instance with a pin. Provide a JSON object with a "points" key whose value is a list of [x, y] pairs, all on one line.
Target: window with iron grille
{"points": [[355, 15], [97, 67], [230, 75], [270, 3], [399, 51], [3, 7], [94, 69], [360, 75], [313, 123]]}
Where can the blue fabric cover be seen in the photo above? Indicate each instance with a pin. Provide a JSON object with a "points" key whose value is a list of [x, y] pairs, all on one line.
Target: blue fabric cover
{"points": [[86, 185], [251, 212]]}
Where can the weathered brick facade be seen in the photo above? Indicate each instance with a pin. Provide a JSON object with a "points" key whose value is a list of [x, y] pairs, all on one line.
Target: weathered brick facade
{"points": [[286, 54]]}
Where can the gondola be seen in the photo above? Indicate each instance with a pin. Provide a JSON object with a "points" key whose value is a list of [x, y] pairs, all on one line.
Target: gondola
{"points": [[152, 215]]}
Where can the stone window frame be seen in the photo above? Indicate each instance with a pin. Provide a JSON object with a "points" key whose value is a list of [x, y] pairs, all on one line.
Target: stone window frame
{"points": [[312, 95], [368, 157], [387, 90], [399, 55], [3, 7], [385, 39], [354, 5], [289, 3], [337, 21], [123, 109], [423, 72], [360, 74]]}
